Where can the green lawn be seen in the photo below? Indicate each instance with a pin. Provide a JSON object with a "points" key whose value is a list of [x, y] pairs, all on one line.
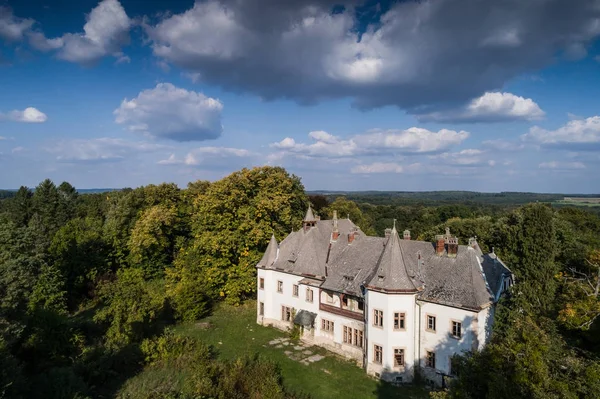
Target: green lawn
{"points": [[234, 333]]}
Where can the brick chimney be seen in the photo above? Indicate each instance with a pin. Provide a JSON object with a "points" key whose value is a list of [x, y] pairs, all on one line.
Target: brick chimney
{"points": [[406, 234], [440, 245], [452, 247], [352, 235], [336, 232], [388, 233]]}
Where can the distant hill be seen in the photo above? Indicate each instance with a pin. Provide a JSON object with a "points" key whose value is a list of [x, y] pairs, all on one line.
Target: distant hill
{"points": [[447, 197]]}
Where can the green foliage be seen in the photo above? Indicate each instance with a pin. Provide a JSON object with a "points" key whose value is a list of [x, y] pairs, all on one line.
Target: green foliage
{"points": [[232, 222], [19, 207], [348, 209], [132, 306], [80, 252], [49, 291], [152, 239]]}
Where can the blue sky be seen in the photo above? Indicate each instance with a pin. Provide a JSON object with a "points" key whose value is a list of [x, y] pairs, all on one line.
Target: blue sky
{"points": [[348, 95]]}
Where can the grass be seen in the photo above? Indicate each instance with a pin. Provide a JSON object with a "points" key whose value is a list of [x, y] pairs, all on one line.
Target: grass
{"points": [[234, 333]]}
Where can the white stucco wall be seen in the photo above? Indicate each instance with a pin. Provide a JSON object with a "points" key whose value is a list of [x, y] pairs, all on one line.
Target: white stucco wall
{"points": [[274, 300], [415, 339], [388, 338], [441, 342]]}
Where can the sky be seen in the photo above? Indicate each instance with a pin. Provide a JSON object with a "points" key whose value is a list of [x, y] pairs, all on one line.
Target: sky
{"points": [[348, 95]]}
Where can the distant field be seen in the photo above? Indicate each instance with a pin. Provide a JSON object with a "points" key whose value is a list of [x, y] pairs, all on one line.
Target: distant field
{"points": [[578, 201]]}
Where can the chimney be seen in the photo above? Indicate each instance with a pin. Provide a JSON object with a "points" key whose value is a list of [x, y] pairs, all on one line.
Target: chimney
{"points": [[350, 237], [406, 234], [388, 233], [452, 247], [473, 242], [440, 243], [336, 233]]}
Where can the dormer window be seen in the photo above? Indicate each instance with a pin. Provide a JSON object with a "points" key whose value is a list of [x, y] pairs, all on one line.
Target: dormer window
{"points": [[381, 277]]}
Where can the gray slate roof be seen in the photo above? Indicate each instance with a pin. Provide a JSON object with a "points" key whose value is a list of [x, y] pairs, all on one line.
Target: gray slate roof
{"points": [[467, 280], [391, 274], [495, 270], [270, 253]]}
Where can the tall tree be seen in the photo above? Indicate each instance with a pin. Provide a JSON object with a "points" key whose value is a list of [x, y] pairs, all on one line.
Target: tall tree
{"points": [[152, 240], [232, 222], [19, 207], [46, 202]]}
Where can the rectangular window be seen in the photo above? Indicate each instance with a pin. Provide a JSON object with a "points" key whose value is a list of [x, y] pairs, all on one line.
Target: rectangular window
{"points": [[430, 360], [399, 357], [309, 295], [280, 286], [286, 313], [261, 283], [261, 310], [353, 336], [326, 325], [378, 318], [431, 323], [345, 301], [378, 354], [399, 321], [361, 306], [456, 329], [295, 290]]}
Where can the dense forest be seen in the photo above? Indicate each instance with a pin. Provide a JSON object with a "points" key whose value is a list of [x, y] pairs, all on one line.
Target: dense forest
{"points": [[90, 285]]}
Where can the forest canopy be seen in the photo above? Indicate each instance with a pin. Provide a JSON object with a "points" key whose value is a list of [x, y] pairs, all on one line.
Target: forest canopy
{"points": [[90, 284]]}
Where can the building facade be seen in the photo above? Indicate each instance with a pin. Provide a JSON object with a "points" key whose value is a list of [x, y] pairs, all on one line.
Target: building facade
{"points": [[392, 304]]}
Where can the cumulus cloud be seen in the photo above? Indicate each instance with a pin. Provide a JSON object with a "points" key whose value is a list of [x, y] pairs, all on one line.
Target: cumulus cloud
{"points": [[578, 135], [561, 165], [28, 115], [105, 32], [376, 141], [378, 167], [12, 28], [491, 107], [202, 155], [470, 157], [413, 54], [100, 150], [172, 113]]}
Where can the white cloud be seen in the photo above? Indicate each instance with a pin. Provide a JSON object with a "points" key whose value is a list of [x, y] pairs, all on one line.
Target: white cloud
{"points": [[103, 149], [12, 28], [172, 113], [412, 54], [105, 32], [466, 158], [561, 165], [201, 155], [410, 141], [17, 149], [378, 167], [28, 115], [580, 135], [491, 107]]}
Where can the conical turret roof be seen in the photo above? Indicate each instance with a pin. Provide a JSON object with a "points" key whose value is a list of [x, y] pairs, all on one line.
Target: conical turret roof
{"points": [[270, 255], [310, 216], [391, 274]]}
